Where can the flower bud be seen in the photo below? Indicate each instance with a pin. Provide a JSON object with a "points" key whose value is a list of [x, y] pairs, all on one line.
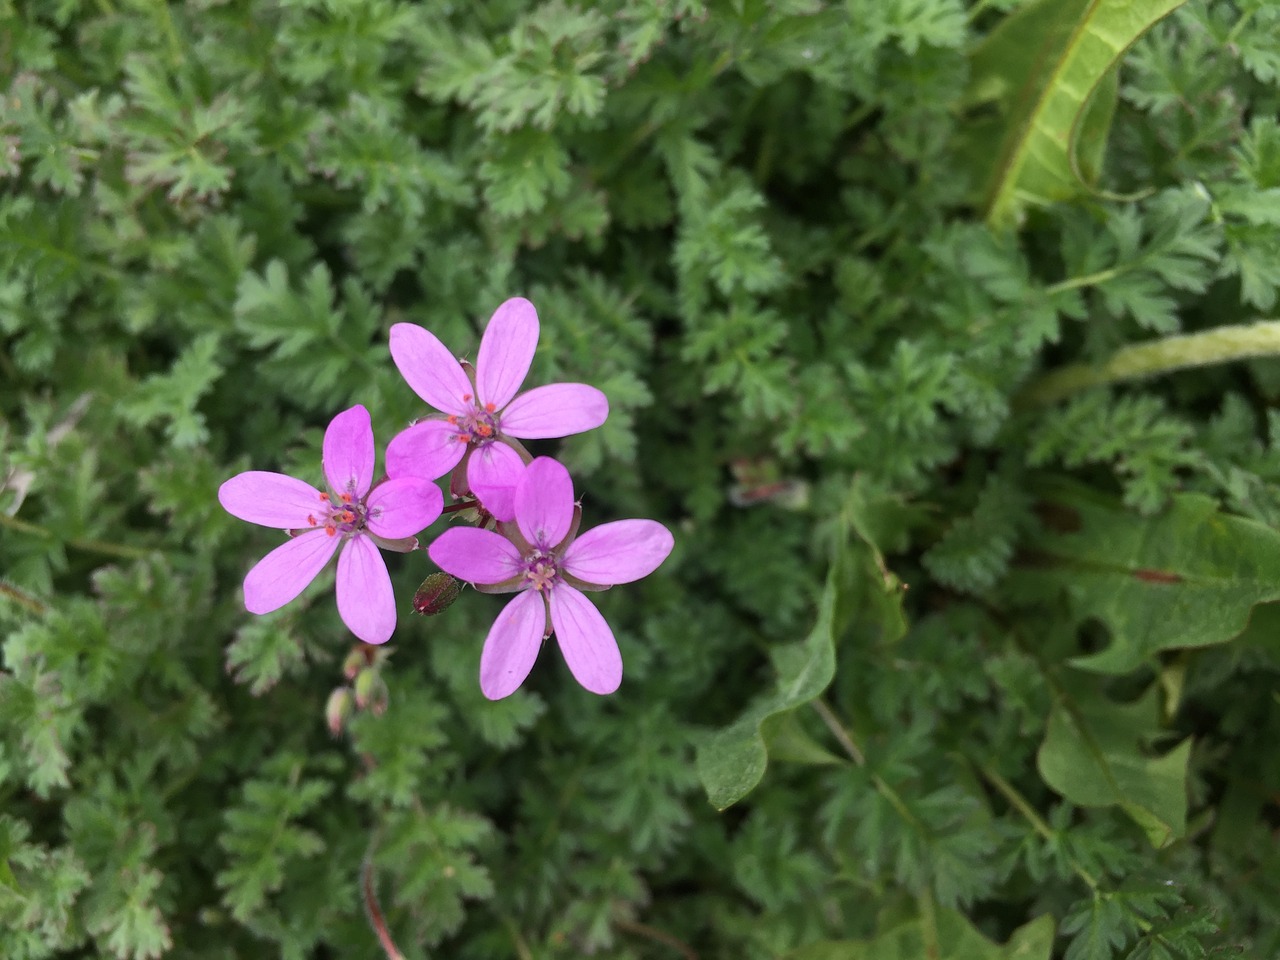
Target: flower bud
{"points": [[371, 691], [437, 592], [356, 660], [338, 710]]}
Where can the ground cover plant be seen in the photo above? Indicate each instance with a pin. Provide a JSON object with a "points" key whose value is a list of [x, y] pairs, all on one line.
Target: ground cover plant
{"points": [[938, 334]]}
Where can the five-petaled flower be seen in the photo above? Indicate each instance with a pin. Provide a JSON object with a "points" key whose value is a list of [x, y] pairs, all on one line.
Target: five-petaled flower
{"points": [[351, 517], [541, 557], [479, 419]]}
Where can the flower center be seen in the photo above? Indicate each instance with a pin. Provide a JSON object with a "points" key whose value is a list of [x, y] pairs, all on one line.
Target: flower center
{"points": [[540, 570], [479, 425], [345, 516]]}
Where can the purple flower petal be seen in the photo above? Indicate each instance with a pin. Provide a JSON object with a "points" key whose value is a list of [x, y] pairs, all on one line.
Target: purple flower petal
{"points": [[431, 371], [403, 507], [428, 449], [285, 572], [365, 601], [512, 645], [476, 556], [544, 502], [585, 640], [348, 452], [618, 552], [271, 499], [556, 410], [493, 472], [506, 350]]}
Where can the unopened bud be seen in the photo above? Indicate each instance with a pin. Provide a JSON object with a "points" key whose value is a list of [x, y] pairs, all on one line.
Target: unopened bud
{"points": [[371, 691], [356, 660], [436, 594], [338, 710]]}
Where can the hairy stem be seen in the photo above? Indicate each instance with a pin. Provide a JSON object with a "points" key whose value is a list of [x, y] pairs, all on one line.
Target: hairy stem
{"points": [[23, 600], [841, 733], [660, 936], [1261, 339], [373, 911], [838, 731], [89, 546], [1020, 803]]}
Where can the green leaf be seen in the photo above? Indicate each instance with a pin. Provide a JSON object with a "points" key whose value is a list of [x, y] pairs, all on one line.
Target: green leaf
{"points": [[1093, 754], [786, 739], [732, 761], [263, 838], [1188, 577], [949, 937], [264, 650], [1041, 67]]}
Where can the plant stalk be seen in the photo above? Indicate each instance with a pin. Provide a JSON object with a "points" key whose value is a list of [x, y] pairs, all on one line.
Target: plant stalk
{"points": [[1156, 357]]}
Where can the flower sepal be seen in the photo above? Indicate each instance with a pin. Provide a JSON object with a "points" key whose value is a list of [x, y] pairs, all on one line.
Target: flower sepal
{"points": [[402, 545], [573, 581], [506, 586]]}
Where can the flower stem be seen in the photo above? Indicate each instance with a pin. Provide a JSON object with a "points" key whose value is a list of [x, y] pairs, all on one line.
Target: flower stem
{"points": [[1223, 344], [89, 546], [660, 936], [1019, 803], [23, 599], [841, 733], [929, 923], [374, 912], [517, 938], [838, 731]]}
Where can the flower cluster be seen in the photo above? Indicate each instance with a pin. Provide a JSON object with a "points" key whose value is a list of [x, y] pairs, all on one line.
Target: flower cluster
{"points": [[526, 540]]}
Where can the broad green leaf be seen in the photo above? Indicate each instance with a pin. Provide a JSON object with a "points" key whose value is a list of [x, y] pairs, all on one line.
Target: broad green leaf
{"points": [[1048, 69], [1095, 755], [952, 937], [787, 740], [732, 761], [1188, 577]]}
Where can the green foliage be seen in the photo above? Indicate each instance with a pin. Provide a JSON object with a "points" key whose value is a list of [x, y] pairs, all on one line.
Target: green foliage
{"points": [[975, 674], [1186, 578], [1093, 756], [732, 761], [1041, 66], [265, 844], [1135, 434], [948, 936]]}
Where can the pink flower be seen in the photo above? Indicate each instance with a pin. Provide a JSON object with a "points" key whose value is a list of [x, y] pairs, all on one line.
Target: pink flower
{"points": [[540, 557], [479, 419], [350, 517]]}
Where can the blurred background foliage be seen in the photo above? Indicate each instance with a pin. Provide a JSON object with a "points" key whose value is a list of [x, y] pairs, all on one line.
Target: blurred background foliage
{"points": [[966, 667]]}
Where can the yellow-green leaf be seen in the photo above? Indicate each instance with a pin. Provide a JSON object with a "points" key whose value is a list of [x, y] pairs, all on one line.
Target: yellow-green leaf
{"points": [[1048, 70]]}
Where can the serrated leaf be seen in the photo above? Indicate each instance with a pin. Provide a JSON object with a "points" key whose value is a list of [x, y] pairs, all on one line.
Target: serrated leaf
{"points": [[1041, 66], [1188, 577], [1094, 754]]}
